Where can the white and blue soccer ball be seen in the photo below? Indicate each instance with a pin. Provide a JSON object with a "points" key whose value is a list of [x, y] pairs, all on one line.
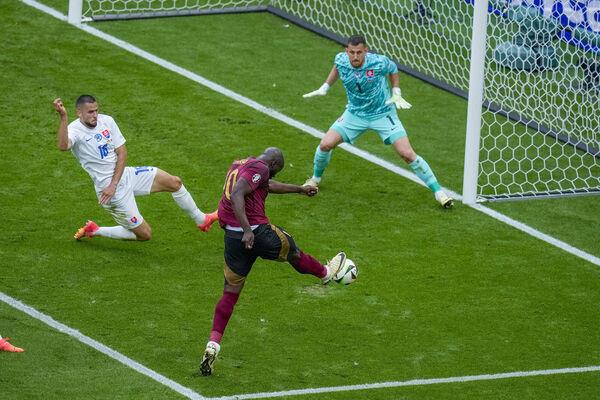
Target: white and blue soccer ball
{"points": [[347, 274]]}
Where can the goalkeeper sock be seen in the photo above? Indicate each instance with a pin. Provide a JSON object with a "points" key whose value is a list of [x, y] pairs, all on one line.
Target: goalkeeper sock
{"points": [[321, 162], [115, 232], [184, 200], [424, 172]]}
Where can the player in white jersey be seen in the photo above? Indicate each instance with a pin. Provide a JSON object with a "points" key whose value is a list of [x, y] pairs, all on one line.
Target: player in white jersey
{"points": [[96, 141], [365, 78]]}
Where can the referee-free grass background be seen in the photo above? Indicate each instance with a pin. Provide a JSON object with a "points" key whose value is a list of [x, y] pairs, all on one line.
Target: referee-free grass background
{"points": [[440, 293]]}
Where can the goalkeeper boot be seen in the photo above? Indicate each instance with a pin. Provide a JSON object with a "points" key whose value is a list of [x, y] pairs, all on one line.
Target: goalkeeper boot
{"points": [[209, 219], [209, 358], [333, 267], [312, 181], [444, 200], [5, 346], [88, 230]]}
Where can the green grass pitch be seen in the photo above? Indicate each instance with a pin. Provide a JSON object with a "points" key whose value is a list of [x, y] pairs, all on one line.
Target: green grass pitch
{"points": [[440, 293]]}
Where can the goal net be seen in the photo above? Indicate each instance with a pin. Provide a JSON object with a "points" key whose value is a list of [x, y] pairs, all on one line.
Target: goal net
{"points": [[129, 9], [540, 114]]}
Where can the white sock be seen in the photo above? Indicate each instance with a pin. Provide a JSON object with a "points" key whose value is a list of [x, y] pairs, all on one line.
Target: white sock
{"points": [[184, 199], [115, 232]]}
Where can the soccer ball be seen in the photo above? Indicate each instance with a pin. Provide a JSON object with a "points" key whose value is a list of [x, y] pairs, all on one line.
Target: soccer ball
{"points": [[347, 274]]}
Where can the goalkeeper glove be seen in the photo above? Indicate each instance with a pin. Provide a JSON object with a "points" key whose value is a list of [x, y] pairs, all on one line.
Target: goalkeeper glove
{"points": [[398, 100], [322, 91]]}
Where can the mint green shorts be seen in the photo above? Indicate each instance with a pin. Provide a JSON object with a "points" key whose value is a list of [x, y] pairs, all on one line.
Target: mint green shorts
{"points": [[350, 127]]}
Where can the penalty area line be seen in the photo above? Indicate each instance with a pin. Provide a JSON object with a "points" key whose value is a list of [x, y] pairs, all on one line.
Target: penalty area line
{"points": [[412, 382], [46, 319]]}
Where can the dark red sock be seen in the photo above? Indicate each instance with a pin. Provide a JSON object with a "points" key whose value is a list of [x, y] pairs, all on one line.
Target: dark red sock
{"points": [[223, 311], [307, 264]]}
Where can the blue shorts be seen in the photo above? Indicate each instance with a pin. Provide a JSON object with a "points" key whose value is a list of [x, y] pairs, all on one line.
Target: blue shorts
{"points": [[388, 127]]}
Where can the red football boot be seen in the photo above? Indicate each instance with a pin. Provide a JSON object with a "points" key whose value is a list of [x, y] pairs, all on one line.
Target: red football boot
{"points": [[87, 230]]}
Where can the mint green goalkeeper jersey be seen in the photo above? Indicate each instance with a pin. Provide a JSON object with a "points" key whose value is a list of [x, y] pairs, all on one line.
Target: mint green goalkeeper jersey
{"points": [[367, 86]]}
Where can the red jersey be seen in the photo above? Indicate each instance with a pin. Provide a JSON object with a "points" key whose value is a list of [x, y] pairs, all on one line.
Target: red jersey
{"points": [[256, 173]]}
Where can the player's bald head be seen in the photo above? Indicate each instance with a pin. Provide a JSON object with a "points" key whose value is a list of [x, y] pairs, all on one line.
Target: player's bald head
{"points": [[273, 156]]}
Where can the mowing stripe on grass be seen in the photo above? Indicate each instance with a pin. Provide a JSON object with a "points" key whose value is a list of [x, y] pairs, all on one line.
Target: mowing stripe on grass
{"points": [[310, 130], [412, 382], [187, 392], [190, 394]]}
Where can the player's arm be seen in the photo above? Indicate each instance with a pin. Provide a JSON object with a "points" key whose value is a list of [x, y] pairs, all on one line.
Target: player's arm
{"points": [[395, 80], [331, 79], [397, 98], [238, 202], [109, 191], [283, 188], [62, 135]]}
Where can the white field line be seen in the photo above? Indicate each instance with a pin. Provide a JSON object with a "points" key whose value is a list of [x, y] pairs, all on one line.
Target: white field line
{"points": [[387, 165], [312, 131], [412, 382], [189, 393]]}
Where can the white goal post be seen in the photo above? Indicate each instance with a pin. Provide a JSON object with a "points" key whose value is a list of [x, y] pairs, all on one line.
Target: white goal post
{"points": [[75, 10], [530, 70]]}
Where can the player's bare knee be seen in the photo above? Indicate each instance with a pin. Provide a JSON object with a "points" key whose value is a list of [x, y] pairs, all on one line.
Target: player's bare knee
{"points": [[237, 288], [408, 155], [143, 237], [144, 234], [176, 183], [407, 158], [324, 146]]}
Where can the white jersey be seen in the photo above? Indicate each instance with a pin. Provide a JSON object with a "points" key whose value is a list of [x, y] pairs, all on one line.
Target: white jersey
{"points": [[95, 148]]}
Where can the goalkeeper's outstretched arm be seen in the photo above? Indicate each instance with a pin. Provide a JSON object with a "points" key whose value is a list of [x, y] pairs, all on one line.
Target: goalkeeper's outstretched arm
{"points": [[322, 91]]}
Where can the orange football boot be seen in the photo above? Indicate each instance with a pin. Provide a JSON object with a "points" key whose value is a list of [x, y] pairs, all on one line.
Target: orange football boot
{"points": [[5, 346], [209, 219], [88, 230]]}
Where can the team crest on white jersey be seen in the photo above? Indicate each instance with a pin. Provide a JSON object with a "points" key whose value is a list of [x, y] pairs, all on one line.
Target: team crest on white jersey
{"points": [[255, 178]]}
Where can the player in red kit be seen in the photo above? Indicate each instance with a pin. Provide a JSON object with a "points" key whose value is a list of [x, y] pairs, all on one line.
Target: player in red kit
{"points": [[249, 235]]}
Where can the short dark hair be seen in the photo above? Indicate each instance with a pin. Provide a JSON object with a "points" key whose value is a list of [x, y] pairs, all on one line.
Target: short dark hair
{"points": [[355, 40], [83, 99]]}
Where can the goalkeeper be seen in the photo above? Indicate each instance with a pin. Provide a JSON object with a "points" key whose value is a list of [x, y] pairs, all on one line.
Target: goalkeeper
{"points": [[370, 107]]}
